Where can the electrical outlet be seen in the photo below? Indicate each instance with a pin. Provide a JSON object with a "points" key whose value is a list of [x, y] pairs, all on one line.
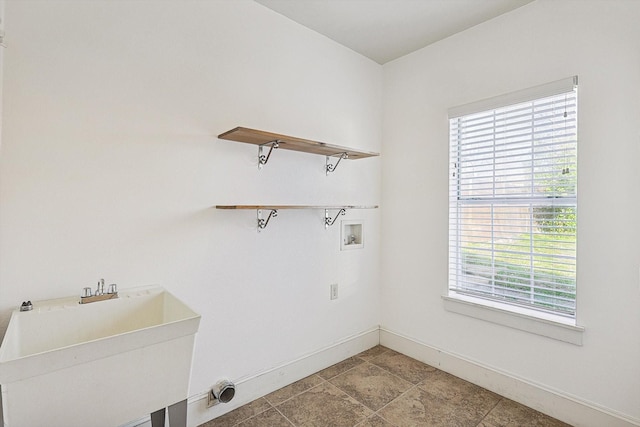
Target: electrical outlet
{"points": [[334, 291]]}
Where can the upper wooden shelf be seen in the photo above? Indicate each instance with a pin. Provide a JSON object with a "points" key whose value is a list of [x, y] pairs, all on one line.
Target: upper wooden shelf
{"points": [[259, 137]]}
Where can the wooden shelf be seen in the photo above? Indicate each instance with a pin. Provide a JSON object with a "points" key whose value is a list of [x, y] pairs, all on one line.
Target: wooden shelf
{"points": [[285, 142], [328, 220], [276, 207], [259, 137]]}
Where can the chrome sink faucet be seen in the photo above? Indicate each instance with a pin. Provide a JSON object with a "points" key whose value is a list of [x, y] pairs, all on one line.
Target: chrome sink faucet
{"points": [[100, 295]]}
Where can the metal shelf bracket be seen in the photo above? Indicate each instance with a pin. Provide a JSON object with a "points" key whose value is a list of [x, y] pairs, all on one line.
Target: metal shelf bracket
{"points": [[332, 167], [262, 159], [262, 222], [328, 221]]}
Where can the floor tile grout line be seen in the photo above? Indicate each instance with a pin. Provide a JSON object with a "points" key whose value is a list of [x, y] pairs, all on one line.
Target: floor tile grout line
{"points": [[350, 369], [316, 374], [393, 400], [340, 390], [256, 414], [392, 374], [386, 350], [490, 410], [284, 416], [399, 377], [364, 362], [386, 370], [419, 361], [348, 395], [322, 380]]}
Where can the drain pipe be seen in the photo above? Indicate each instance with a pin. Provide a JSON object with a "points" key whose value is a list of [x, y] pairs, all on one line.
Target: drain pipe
{"points": [[222, 392]]}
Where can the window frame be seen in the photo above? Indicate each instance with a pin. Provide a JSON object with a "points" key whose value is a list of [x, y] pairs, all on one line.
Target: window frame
{"points": [[531, 319]]}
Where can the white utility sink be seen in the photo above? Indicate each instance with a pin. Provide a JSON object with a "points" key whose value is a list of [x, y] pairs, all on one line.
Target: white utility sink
{"points": [[104, 363]]}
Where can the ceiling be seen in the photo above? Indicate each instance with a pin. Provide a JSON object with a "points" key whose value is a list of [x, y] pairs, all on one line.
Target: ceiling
{"points": [[384, 30]]}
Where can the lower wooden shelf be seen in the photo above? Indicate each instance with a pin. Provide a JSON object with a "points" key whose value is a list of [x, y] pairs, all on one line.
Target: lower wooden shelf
{"points": [[328, 220], [295, 207]]}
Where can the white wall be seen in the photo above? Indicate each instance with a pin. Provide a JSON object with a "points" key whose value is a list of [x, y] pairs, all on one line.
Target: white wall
{"points": [[110, 167], [541, 42]]}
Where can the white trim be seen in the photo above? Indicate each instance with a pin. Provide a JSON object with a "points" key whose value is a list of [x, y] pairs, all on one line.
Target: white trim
{"points": [[555, 403], [542, 91], [536, 322], [260, 384]]}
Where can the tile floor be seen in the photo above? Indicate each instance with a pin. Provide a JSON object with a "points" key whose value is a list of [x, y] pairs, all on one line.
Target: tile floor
{"points": [[382, 388]]}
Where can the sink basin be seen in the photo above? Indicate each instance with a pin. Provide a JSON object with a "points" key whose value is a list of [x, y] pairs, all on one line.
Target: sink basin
{"points": [[100, 364]]}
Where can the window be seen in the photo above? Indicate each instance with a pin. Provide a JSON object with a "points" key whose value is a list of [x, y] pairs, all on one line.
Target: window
{"points": [[513, 199]]}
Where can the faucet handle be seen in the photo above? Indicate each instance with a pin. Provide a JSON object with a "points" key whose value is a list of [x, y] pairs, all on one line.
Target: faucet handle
{"points": [[113, 289], [86, 292]]}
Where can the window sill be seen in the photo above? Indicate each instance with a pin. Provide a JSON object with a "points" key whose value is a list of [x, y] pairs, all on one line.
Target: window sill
{"points": [[532, 321]]}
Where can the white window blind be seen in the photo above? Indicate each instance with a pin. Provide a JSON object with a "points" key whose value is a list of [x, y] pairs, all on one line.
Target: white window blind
{"points": [[513, 199]]}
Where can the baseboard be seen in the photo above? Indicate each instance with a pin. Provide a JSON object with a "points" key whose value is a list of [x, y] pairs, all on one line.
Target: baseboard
{"points": [[554, 403], [263, 383], [559, 405]]}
